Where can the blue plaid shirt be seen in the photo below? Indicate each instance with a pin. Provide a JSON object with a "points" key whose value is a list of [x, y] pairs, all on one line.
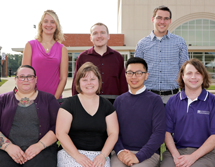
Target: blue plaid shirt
{"points": [[164, 58]]}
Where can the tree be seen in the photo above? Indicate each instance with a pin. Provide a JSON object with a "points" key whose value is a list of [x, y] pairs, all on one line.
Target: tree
{"points": [[14, 61]]}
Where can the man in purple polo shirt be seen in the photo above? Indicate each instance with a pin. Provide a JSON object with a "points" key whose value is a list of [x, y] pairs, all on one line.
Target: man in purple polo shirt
{"points": [[142, 121], [190, 134], [109, 62]]}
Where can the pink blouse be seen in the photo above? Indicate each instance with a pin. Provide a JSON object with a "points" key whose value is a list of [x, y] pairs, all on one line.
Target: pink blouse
{"points": [[47, 66]]}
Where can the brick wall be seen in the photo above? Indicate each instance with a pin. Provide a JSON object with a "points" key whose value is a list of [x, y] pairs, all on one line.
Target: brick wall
{"points": [[84, 40]]}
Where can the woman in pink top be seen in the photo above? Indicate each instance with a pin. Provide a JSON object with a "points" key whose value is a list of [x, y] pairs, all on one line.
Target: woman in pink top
{"points": [[48, 56]]}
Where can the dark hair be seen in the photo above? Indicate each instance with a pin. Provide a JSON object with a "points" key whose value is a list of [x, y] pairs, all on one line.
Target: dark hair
{"points": [[26, 66], [87, 67], [164, 8], [199, 67], [136, 60]]}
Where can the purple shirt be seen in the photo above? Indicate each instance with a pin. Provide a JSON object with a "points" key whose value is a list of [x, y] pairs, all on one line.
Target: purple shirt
{"points": [[47, 66], [46, 105], [142, 123], [193, 124], [111, 68]]}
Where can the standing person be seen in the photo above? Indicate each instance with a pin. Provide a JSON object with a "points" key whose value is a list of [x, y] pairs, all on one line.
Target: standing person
{"points": [[164, 53], [109, 62], [190, 114], [27, 124], [48, 57], [87, 125], [142, 121]]}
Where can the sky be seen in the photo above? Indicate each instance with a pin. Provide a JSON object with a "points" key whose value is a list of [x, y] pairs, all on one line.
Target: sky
{"points": [[17, 18]]}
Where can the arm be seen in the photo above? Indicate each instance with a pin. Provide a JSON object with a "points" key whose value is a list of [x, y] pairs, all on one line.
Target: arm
{"points": [[113, 132], [13, 151], [171, 147], [139, 50], [183, 54], [27, 54], [64, 121], [63, 73]]}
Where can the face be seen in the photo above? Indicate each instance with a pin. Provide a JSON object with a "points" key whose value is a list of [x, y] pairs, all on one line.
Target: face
{"points": [[192, 78], [48, 25], [135, 82], [25, 86], [161, 23], [99, 36], [89, 84]]}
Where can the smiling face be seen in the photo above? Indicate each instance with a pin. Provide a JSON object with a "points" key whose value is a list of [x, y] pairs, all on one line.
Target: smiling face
{"points": [[25, 86], [161, 23], [89, 84], [48, 25], [135, 82], [192, 78], [99, 36]]}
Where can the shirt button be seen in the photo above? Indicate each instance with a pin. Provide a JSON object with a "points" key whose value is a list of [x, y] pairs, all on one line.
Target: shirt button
{"points": [[160, 82], [40, 126], [102, 73], [160, 71], [40, 133], [102, 92], [102, 64], [160, 50], [102, 82]]}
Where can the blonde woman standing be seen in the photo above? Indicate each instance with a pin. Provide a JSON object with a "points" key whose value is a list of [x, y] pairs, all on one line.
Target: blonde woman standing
{"points": [[48, 56]]}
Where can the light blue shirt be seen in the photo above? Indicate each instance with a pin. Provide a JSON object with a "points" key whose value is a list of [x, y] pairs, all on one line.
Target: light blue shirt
{"points": [[164, 58]]}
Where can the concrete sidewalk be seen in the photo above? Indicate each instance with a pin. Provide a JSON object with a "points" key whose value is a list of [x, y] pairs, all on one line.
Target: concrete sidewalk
{"points": [[10, 84]]}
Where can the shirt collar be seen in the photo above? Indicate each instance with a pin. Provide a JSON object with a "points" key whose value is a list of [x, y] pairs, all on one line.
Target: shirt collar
{"points": [[91, 51], [152, 35], [139, 91], [203, 96]]}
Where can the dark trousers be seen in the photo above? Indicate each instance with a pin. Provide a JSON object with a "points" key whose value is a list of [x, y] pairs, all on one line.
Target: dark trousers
{"points": [[46, 158]]}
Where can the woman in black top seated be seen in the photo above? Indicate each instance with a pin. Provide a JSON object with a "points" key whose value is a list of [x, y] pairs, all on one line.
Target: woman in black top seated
{"points": [[87, 125], [27, 124]]}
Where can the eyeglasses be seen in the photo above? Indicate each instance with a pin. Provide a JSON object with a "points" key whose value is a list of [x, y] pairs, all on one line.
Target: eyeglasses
{"points": [[160, 18], [29, 77], [137, 73]]}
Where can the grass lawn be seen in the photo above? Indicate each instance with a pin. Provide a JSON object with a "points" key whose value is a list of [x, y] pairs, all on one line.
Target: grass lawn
{"points": [[212, 87], [2, 82]]}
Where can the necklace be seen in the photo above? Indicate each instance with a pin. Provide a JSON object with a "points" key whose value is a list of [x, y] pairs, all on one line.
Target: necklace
{"points": [[25, 102]]}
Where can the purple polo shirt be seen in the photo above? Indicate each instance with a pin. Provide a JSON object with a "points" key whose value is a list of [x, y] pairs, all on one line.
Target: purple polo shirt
{"points": [[191, 125], [46, 105], [111, 68]]}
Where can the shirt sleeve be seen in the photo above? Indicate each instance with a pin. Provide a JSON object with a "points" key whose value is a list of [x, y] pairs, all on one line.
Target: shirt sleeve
{"points": [[139, 50], [108, 106], [68, 103], [183, 54], [158, 135], [118, 146], [169, 117]]}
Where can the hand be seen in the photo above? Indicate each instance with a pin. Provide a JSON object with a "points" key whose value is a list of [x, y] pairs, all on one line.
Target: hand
{"points": [[99, 161], [121, 156], [33, 150], [185, 160], [16, 153], [83, 160], [130, 158]]}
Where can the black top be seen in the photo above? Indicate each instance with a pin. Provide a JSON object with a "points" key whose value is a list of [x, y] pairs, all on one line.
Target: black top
{"points": [[88, 132]]}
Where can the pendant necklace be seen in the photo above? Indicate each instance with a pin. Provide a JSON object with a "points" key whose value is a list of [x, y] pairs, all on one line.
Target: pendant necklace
{"points": [[25, 102]]}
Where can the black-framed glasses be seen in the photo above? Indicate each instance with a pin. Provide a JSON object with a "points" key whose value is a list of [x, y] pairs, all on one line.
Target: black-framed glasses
{"points": [[161, 18], [22, 77], [137, 73]]}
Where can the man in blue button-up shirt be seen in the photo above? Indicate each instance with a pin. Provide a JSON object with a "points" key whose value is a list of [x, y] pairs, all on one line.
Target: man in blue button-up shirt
{"points": [[164, 53]]}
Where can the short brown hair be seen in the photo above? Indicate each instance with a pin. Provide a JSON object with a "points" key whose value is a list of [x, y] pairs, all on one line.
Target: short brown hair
{"points": [[164, 8], [87, 67], [200, 68], [99, 24]]}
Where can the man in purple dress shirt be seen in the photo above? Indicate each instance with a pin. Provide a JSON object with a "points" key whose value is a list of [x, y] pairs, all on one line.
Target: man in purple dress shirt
{"points": [[142, 121], [109, 62], [190, 115]]}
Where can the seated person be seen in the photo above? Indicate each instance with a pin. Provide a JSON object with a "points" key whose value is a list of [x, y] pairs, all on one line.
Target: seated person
{"points": [[190, 133], [141, 117], [27, 124], [87, 125]]}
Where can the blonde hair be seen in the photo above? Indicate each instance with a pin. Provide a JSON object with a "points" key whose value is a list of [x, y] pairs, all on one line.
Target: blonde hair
{"points": [[58, 35]]}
